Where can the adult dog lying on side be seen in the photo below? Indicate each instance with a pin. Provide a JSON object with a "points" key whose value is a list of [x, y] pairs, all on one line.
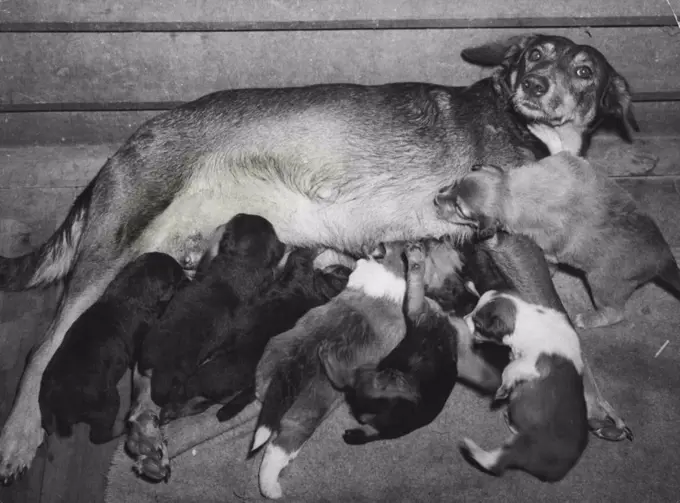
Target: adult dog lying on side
{"points": [[331, 165]]}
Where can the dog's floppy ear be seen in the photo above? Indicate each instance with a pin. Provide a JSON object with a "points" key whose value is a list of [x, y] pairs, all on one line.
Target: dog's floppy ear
{"points": [[616, 103], [495, 320], [498, 52]]}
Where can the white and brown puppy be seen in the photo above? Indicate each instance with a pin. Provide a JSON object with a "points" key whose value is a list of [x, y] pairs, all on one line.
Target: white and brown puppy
{"points": [[578, 216], [543, 383], [360, 326]]}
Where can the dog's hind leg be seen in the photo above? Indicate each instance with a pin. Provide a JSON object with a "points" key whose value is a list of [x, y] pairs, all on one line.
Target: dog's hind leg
{"points": [[146, 441], [603, 420], [22, 434], [297, 426]]}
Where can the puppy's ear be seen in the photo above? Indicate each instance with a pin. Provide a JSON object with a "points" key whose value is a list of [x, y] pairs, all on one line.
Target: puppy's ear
{"points": [[616, 103], [499, 52]]}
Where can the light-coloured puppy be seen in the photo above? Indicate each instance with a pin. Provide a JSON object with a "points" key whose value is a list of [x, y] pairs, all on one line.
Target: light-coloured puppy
{"points": [[578, 216], [543, 384]]}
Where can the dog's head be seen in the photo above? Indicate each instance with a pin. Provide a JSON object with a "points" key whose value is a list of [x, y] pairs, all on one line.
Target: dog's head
{"points": [[251, 239], [555, 81], [494, 318], [476, 200]]}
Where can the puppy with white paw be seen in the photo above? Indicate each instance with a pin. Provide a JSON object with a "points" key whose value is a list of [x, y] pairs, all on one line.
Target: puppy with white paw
{"points": [[543, 384], [358, 327]]}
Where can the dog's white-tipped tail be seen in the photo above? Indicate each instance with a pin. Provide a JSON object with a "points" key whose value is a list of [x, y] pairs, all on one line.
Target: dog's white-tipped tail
{"points": [[262, 434], [275, 459], [486, 459]]}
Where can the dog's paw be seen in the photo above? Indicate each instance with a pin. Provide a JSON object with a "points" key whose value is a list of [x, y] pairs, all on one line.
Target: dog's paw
{"points": [[19, 442], [415, 253], [502, 393], [608, 429], [148, 446], [600, 318], [355, 436]]}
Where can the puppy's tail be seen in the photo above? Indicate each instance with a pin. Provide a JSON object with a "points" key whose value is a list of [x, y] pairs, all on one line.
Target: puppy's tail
{"points": [[54, 258]]}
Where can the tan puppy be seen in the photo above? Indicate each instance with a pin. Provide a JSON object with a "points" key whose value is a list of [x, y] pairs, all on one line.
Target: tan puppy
{"points": [[578, 216]]}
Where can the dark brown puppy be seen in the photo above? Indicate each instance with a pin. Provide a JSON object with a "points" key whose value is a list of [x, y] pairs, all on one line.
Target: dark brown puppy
{"points": [[578, 216], [226, 374], [333, 165], [410, 386], [358, 327], [197, 320], [79, 384]]}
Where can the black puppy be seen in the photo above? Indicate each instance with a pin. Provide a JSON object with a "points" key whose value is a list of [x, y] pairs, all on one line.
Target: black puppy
{"points": [[227, 374], [79, 384], [201, 316], [410, 386]]}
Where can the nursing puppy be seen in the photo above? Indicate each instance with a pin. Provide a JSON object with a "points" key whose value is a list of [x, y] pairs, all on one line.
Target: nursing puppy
{"points": [[79, 384], [196, 321], [515, 263], [200, 316], [578, 216], [226, 374], [358, 327], [410, 386], [543, 383]]}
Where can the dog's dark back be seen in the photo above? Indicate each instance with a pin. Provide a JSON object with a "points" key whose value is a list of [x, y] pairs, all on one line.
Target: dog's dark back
{"points": [[512, 262], [79, 383]]}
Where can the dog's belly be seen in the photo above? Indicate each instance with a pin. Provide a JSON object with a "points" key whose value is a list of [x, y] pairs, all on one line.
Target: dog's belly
{"points": [[342, 213]]}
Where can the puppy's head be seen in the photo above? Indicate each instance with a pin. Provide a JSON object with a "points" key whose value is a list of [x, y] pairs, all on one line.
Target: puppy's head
{"points": [[382, 273], [494, 318], [251, 239], [476, 200], [150, 281], [555, 81]]}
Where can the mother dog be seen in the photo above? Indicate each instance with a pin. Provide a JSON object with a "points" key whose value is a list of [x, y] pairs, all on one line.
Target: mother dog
{"points": [[330, 165]]}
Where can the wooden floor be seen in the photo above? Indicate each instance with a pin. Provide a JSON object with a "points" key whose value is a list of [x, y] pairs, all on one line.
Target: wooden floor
{"points": [[72, 470]]}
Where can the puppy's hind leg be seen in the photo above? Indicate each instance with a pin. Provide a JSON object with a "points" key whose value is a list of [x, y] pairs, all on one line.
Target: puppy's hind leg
{"points": [[22, 434], [146, 441], [297, 426], [415, 255]]}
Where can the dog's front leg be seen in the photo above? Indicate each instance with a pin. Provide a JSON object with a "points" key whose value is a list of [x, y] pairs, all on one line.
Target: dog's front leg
{"points": [[146, 442], [523, 369]]}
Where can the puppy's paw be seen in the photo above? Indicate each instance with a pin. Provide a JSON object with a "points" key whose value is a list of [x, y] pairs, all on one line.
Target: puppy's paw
{"points": [[355, 436], [600, 318], [148, 446], [607, 429], [415, 254], [502, 393]]}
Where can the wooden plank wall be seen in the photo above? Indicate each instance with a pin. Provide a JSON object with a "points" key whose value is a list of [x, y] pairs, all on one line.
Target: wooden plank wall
{"points": [[77, 77]]}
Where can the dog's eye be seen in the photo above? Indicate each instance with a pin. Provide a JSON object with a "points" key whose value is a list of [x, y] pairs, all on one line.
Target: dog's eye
{"points": [[535, 55], [461, 209], [584, 72]]}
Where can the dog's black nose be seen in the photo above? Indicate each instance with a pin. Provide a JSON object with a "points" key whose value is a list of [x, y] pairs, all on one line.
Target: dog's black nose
{"points": [[535, 85]]}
